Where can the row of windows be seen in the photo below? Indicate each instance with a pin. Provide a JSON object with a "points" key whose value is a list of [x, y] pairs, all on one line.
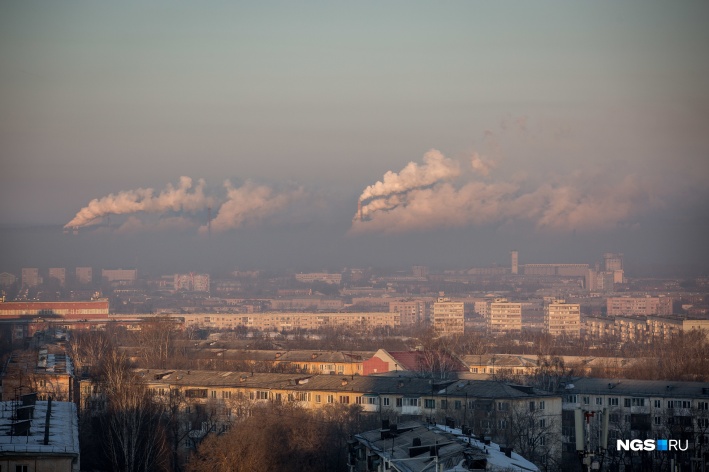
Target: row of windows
{"points": [[636, 401]]}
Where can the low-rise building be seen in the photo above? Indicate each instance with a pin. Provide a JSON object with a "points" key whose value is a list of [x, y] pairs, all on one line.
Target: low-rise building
{"points": [[640, 409], [39, 436]]}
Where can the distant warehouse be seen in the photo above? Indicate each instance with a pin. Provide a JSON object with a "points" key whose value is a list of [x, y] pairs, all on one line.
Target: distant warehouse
{"points": [[97, 309]]}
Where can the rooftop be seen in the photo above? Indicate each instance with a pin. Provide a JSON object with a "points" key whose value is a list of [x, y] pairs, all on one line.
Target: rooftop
{"points": [[63, 429]]}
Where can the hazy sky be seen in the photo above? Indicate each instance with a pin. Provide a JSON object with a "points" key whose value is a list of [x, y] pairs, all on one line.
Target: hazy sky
{"points": [[562, 129]]}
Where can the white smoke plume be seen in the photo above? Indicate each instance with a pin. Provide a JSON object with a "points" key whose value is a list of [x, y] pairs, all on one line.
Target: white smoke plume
{"points": [[574, 202], [181, 198], [250, 203], [435, 168]]}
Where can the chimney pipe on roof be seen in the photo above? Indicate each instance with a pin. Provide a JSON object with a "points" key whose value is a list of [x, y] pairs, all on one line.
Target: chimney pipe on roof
{"points": [[46, 421]]}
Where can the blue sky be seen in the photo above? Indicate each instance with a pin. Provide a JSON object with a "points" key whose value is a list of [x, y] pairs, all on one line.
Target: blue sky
{"points": [[318, 100]]}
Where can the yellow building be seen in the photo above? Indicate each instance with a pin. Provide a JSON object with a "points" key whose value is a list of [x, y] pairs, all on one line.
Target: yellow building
{"points": [[504, 316], [448, 317], [562, 319]]}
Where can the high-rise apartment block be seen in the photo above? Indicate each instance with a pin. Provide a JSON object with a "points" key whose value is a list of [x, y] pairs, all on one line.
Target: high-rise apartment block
{"points": [[412, 312], [30, 277], [562, 319], [448, 316], [192, 282], [514, 262], [84, 275], [504, 316], [58, 273]]}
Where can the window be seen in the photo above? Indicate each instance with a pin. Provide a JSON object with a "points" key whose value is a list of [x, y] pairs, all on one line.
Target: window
{"points": [[303, 396], [541, 405], [214, 394], [411, 402], [703, 406], [345, 399], [502, 424], [657, 420], [318, 398], [428, 403], [599, 400], [458, 405], [542, 440], [385, 401], [572, 398], [703, 422], [278, 397], [531, 406], [371, 400], [444, 404], [261, 395], [226, 394], [638, 402], [543, 423], [614, 418], [626, 402], [331, 398], [612, 401], [21, 468], [399, 402], [657, 404], [586, 400], [503, 406], [358, 400]]}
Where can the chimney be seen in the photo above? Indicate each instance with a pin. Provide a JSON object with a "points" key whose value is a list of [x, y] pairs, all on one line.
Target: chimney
{"points": [[46, 421]]}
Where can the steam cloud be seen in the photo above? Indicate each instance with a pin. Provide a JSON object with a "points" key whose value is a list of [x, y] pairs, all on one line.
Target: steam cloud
{"points": [[436, 167], [144, 200], [574, 202], [250, 203]]}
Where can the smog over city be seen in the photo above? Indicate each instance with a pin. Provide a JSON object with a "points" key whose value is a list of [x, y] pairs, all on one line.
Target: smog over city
{"points": [[248, 158]]}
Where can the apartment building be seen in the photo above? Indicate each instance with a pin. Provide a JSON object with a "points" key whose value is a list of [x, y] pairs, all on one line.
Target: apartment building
{"points": [[488, 408], [84, 275], [291, 321], [58, 274], [448, 317], [119, 276], [562, 319], [311, 277], [641, 409], [638, 306], [504, 316], [411, 312], [31, 277], [48, 372], [629, 328], [191, 282], [39, 440]]}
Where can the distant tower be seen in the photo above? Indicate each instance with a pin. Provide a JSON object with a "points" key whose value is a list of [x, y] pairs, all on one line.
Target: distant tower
{"points": [[514, 256], [613, 263]]}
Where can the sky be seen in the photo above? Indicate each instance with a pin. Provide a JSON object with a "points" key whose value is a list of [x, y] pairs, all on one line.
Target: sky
{"points": [[190, 135]]}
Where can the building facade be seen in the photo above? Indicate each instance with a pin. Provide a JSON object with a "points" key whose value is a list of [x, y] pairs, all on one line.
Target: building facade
{"points": [[448, 317], [504, 316], [562, 319]]}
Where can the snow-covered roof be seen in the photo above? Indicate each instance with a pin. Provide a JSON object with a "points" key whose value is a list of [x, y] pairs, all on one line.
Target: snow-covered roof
{"points": [[63, 430]]}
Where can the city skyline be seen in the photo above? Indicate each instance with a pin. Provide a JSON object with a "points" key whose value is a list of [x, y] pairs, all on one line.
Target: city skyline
{"points": [[321, 136]]}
